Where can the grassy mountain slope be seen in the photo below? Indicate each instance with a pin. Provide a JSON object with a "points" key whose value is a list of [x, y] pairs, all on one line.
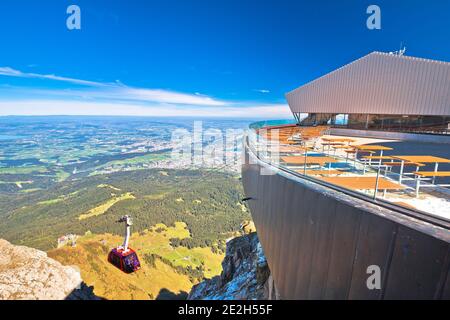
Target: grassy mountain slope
{"points": [[90, 256], [181, 221]]}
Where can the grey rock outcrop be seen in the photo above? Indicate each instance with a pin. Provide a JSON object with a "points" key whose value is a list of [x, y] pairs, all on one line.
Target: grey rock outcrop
{"points": [[29, 274], [245, 275]]}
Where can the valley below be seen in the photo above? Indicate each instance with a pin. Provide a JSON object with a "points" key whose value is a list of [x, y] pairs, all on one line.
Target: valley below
{"points": [[182, 215], [182, 219]]}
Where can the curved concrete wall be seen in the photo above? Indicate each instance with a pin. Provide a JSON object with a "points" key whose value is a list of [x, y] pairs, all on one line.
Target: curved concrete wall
{"points": [[378, 83], [319, 242]]}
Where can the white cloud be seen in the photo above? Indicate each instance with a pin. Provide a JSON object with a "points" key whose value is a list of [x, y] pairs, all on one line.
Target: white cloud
{"points": [[165, 96], [7, 71], [97, 98], [90, 108], [262, 90], [117, 89]]}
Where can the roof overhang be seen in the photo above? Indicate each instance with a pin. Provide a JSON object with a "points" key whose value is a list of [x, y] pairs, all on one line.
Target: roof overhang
{"points": [[379, 83]]}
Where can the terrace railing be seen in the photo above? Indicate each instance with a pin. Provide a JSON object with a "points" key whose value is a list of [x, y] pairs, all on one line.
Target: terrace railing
{"points": [[367, 182]]}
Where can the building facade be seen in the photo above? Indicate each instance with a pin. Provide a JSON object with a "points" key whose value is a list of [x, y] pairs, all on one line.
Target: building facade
{"points": [[379, 91], [321, 241]]}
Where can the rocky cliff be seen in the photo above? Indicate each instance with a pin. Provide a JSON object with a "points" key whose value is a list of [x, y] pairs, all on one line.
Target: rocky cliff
{"points": [[29, 274], [245, 275]]}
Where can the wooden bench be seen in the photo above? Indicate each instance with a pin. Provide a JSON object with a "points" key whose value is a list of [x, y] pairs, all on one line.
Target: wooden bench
{"points": [[364, 183], [321, 172], [338, 147], [398, 164], [370, 158], [349, 152], [335, 148], [377, 158], [330, 145], [389, 166], [430, 174], [365, 151]]}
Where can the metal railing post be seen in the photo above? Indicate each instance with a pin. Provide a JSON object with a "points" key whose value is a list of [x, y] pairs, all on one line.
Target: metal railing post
{"points": [[376, 183], [305, 156]]}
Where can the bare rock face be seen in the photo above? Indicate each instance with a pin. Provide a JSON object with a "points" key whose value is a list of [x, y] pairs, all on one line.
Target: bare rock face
{"points": [[245, 274], [28, 274], [248, 227]]}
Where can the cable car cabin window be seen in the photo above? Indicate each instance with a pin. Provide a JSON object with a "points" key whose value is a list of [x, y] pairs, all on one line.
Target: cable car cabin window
{"points": [[115, 260], [130, 263]]}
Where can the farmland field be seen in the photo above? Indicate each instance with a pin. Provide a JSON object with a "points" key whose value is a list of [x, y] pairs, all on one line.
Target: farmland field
{"points": [[77, 176]]}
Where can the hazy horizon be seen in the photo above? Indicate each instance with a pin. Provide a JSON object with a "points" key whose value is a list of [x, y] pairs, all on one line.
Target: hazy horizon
{"points": [[221, 59]]}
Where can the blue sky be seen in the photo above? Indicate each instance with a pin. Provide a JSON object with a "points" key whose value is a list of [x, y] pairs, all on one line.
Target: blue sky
{"points": [[234, 58]]}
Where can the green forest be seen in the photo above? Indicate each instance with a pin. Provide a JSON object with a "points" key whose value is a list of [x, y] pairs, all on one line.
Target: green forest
{"points": [[206, 200]]}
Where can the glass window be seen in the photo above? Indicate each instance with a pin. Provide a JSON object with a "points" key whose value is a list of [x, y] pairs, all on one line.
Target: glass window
{"points": [[341, 119], [131, 262], [397, 123]]}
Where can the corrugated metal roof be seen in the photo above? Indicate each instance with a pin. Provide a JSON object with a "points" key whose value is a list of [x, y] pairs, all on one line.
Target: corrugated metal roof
{"points": [[379, 83]]}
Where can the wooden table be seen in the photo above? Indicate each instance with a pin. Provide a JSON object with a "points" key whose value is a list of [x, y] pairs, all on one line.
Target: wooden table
{"points": [[370, 158], [289, 149], [329, 144], [433, 175], [378, 158], [301, 160], [372, 148], [338, 139], [420, 159], [332, 143], [337, 147], [351, 151], [363, 183], [321, 172]]}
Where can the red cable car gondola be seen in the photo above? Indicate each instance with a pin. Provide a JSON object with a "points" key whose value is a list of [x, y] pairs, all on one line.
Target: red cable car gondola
{"points": [[124, 257]]}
